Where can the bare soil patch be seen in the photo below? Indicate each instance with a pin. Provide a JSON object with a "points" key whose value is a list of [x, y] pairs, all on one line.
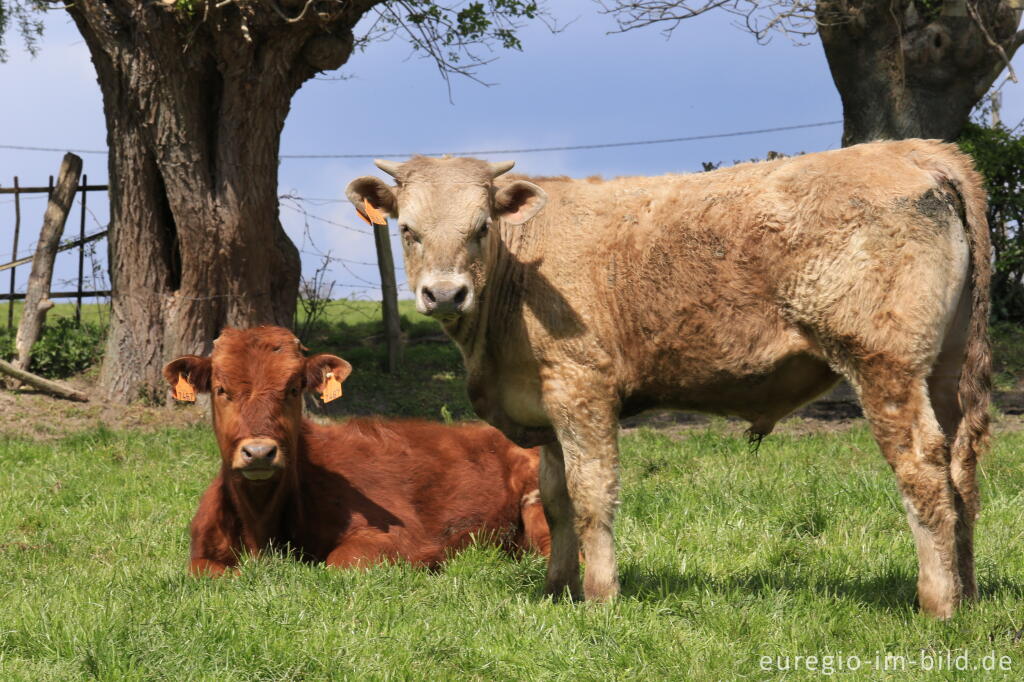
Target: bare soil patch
{"points": [[29, 414], [37, 416]]}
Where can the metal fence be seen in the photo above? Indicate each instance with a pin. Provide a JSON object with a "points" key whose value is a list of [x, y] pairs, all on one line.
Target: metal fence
{"points": [[80, 243]]}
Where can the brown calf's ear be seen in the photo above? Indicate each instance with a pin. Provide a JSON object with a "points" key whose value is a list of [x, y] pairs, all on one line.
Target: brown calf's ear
{"points": [[373, 191], [187, 376], [519, 201], [324, 374]]}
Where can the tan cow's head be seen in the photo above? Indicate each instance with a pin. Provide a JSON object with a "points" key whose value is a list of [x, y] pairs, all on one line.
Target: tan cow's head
{"points": [[255, 378], [446, 210]]}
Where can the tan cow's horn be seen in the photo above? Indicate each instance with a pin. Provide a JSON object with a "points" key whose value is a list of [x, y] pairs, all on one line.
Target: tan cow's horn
{"points": [[389, 167], [501, 167]]}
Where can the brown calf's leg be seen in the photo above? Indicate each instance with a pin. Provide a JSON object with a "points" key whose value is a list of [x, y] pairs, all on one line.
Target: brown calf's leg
{"points": [[363, 548], [207, 567], [536, 535], [564, 559], [896, 402]]}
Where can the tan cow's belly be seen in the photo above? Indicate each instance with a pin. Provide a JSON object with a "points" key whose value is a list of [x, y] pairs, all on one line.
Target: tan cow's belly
{"points": [[761, 399]]}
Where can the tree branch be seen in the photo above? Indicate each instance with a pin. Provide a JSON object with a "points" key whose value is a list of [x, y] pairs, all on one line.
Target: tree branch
{"points": [[795, 18], [991, 41]]}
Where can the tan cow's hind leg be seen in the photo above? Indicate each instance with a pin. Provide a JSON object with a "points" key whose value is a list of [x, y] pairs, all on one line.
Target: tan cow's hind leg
{"points": [[942, 388], [944, 385], [896, 402], [564, 560], [962, 472]]}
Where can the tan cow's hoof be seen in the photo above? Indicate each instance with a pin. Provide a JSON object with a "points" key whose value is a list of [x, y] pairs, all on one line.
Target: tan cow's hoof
{"points": [[602, 592], [939, 609]]}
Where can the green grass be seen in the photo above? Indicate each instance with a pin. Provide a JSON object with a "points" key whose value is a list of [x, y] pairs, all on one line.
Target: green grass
{"points": [[430, 383], [726, 555], [98, 313]]}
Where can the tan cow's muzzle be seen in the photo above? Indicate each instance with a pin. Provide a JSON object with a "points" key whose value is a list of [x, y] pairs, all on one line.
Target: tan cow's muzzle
{"points": [[445, 298]]}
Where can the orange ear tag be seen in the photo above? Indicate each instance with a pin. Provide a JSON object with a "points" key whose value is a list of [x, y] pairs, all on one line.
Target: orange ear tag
{"points": [[375, 216], [184, 391], [332, 388]]}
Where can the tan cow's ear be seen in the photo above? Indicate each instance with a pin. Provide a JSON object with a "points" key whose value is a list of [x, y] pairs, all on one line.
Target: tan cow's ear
{"points": [[372, 190], [322, 369], [519, 201], [193, 369]]}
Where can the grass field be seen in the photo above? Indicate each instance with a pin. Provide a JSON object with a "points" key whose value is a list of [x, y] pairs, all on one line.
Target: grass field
{"points": [[726, 555]]}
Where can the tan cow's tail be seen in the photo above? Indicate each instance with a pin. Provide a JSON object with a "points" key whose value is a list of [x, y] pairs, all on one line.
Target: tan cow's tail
{"points": [[974, 390]]}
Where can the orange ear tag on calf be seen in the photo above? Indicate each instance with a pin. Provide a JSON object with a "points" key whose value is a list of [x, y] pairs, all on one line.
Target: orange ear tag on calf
{"points": [[184, 391], [332, 388]]}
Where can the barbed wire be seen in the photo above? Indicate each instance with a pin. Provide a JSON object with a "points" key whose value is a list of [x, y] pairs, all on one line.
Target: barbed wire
{"points": [[360, 285], [485, 152]]}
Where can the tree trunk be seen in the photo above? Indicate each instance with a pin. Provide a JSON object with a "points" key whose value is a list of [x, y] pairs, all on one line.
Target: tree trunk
{"points": [[195, 106], [903, 70]]}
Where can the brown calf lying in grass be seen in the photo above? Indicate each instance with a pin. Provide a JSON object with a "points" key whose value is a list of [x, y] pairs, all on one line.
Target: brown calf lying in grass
{"points": [[348, 494]]}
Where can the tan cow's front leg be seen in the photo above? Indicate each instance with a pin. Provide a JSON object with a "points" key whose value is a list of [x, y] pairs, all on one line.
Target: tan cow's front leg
{"points": [[587, 429], [564, 560]]}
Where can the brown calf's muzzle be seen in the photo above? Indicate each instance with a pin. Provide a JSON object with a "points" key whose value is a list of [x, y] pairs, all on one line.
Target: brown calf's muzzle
{"points": [[258, 459]]}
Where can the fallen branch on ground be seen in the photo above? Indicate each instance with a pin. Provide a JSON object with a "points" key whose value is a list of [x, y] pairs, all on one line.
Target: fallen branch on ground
{"points": [[52, 387]]}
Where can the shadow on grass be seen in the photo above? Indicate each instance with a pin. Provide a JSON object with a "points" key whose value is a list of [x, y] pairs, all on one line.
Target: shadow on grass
{"points": [[895, 590]]}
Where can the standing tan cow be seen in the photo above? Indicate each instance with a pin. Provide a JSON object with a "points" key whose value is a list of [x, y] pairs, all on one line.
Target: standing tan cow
{"points": [[746, 291]]}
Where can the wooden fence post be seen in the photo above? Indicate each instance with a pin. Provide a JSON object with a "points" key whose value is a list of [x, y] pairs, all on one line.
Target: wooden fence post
{"points": [[14, 250], [389, 296], [37, 294], [81, 251]]}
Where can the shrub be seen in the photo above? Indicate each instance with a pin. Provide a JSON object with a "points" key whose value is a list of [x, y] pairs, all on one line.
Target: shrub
{"points": [[66, 347], [999, 155]]}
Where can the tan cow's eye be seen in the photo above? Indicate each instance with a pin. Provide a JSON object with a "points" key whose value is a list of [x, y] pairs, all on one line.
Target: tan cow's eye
{"points": [[482, 232], [409, 235]]}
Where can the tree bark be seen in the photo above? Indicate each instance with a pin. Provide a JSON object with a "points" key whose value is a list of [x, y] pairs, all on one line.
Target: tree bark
{"points": [[194, 107], [37, 294], [903, 70]]}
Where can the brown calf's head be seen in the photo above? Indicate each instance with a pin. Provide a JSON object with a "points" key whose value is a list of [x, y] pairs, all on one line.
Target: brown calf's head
{"points": [[255, 378], [446, 209]]}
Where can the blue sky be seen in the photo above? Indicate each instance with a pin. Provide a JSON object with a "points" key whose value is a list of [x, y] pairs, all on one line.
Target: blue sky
{"points": [[581, 86]]}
